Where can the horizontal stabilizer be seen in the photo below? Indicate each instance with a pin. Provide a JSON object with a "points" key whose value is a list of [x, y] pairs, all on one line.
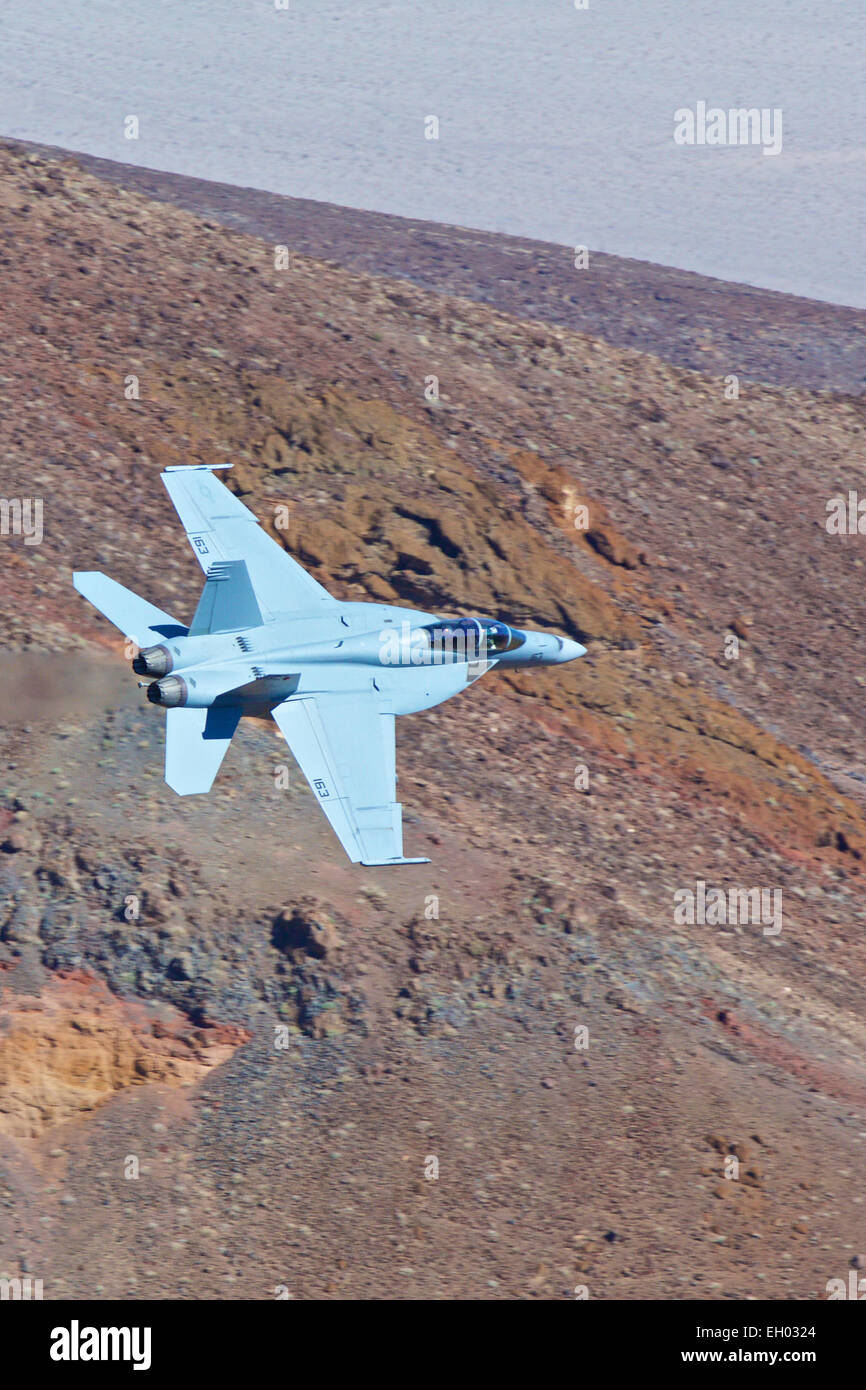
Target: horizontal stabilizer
{"points": [[196, 741], [134, 616], [227, 602]]}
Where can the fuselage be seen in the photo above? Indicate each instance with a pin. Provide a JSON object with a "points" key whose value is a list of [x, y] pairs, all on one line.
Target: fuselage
{"points": [[416, 660]]}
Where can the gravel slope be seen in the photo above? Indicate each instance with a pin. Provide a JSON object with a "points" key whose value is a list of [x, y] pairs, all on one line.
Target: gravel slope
{"points": [[412, 1037]]}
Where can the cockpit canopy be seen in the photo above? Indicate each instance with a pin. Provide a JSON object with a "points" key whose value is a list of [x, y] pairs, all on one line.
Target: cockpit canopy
{"points": [[472, 639]]}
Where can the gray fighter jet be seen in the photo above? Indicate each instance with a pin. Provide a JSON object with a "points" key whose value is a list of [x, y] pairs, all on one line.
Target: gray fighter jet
{"points": [[267, 639]]}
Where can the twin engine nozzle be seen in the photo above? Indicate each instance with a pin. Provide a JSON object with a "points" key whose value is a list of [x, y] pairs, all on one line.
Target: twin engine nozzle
{"points": [[156, 661], [153, 661], [170, 691]]}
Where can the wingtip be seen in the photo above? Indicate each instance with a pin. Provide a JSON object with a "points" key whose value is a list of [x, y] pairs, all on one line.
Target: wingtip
{"points": [[82, 579], [385, 863], [194, 467]]}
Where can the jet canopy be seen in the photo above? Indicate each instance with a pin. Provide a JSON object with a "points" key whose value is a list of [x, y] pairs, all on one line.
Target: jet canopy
{"points": [[472, 639]]}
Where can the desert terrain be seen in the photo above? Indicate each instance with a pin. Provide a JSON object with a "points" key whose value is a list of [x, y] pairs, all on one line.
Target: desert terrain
{"points": [[231, 1062]]}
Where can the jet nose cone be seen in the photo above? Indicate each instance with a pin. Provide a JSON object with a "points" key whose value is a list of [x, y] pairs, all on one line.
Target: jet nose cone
{"points": [[570, 650]]}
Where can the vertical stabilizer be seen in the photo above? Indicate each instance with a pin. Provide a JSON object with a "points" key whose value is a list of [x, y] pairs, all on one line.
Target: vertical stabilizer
{"points": [[227, 602]]}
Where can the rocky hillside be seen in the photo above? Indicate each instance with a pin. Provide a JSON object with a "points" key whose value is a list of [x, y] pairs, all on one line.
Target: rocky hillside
{"points": [[285, 1040]]}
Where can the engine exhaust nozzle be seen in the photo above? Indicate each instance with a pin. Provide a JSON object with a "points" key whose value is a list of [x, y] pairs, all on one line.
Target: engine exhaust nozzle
{"points": [[171, 691], [152, 661]]}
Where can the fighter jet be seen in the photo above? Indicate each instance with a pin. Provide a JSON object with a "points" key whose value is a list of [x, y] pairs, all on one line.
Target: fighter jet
{"points": [[267, 639]]}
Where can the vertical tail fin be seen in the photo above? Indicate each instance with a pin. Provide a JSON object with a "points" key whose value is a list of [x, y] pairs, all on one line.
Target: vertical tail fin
{"points": [[227, 602]]}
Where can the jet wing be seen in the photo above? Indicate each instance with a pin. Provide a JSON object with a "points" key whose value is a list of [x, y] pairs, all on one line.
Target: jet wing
{"points": [[344, 745], [220, 527]]}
